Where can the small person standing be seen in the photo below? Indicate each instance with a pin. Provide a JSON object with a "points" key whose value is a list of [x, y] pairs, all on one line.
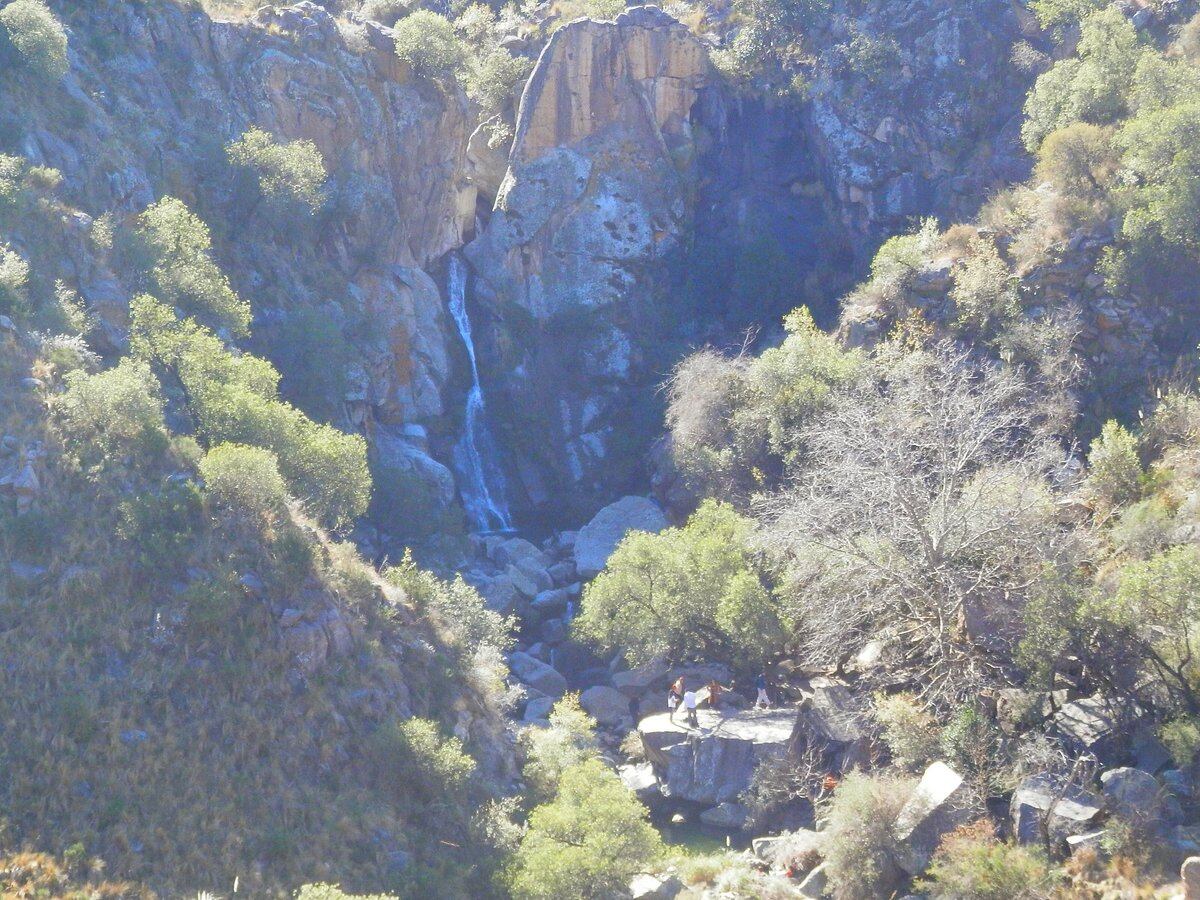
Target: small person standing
{"points": [[675, 696], [761, 683], [689, 703]]}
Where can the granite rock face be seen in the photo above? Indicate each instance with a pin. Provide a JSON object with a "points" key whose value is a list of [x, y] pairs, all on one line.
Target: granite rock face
{"points": [[595, 202], [714, 763]]}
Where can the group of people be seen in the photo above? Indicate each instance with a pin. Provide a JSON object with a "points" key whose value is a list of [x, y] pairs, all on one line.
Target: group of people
{"points": [[679, 695]]}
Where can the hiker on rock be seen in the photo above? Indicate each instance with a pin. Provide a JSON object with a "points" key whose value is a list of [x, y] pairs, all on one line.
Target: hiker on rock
{"points": [[689, 703], [674, 696], [714, 693], [763, 700]]}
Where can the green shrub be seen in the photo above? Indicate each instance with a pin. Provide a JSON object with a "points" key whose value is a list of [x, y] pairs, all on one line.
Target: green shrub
{"points": [[14, 276], [860, 846], [984, 292], [1091, 87], [244, 478], [159, 527], [288, 178], [1181, 737], [972, 744], [1052, 13], [1114, 469], [909, 731], [492, 77], [172, 250], [334, 892], [113, 412], [694, 589], [587, 843], [549, 752], [428, 43], [213, 606], [415, 756], [39, 39], [971, 864], [1144, 528], [386, 12]]}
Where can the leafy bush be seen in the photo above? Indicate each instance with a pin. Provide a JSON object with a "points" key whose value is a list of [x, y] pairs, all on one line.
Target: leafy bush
{"points": [[288, 178], [1114, 469], [971, 864], [735, 423], [492, 77], [588, 842], [39, 39], [984, 292], [602, 10], [172, 249], [549, 752], [1052, 13], [212, 606], [334, 892], [386, 12], [1091, 87], [909, 731], [244, 478], [159, 527], [1181, 737], [685, 590], [14, 274], [428, 43], [860, 847], [234, 400], [113, 412], [456, 605], [973, 746], [414, 755]]}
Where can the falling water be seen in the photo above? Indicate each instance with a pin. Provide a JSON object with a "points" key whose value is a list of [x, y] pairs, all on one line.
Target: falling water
{"points": [[483, 490]]}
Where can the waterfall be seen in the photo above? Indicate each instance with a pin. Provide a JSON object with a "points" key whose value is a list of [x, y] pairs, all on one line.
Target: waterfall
{"points": [[481, 481]]}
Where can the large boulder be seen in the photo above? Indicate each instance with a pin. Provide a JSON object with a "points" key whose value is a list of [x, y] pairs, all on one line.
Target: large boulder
{"points": [[714, 763], [726, 815], [1075, 811], [640, 778], [606, 705], [600, 537], [637, 681], [939, 804], [1134, 795], [1097, 725], [830, 721], [538, 674]]}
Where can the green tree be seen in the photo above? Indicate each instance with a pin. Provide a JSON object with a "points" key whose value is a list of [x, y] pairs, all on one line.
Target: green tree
{"points": [[1149, 624], [233, 399], [735, 424], [113, 412], [172, 251], [971, 864], [1114, 469], [1091, 87], [689, 590], [244, 478], [37, 37], [1078, 160], [288, 178], [1160, 157], [428, 43], [569, 740], [586, 843]]}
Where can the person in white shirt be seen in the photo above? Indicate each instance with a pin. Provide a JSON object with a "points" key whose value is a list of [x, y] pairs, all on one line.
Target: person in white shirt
{"points": [[689, 703]]}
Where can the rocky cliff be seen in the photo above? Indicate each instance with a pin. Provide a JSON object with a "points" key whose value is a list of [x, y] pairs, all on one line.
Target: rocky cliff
{"points": [[647, 207]]}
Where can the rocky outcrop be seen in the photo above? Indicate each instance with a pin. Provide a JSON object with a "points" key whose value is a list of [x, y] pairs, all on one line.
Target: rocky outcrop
{"points": [[916, 110], [600, 537], [145, 111], [715, 762], [595, 201]]}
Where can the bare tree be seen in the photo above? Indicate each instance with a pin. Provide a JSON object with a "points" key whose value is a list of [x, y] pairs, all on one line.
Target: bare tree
{"points": [[925, 513]]}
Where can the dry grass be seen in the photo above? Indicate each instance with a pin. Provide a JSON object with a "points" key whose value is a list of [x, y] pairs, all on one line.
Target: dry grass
{"points": [[186, 750]]}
